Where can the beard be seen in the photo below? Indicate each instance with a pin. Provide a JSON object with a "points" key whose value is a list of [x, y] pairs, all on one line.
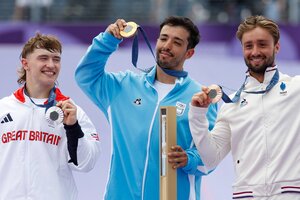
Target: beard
{"points": [[260, 69], [171, 64]]}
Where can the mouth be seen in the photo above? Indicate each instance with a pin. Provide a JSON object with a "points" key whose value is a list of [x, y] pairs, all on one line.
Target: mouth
{"points": [[49, 73], [166, 54], [257, 60]]}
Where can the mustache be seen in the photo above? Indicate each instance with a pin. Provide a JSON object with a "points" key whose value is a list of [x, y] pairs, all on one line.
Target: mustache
{"points": [[166, 51]]}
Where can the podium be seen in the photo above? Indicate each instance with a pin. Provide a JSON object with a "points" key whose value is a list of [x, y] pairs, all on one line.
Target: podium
{"points": [[168, 175]]}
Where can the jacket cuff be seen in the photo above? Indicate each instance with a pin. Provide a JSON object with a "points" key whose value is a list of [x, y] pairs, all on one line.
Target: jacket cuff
{"points": [[73, 133]]}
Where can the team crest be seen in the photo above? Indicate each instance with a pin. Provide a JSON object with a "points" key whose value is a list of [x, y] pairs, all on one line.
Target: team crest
{"points": [[180, 108], [283, 89]]}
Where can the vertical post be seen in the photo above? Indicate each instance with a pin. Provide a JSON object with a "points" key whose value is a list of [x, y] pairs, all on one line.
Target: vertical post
{"points": [[168, 175]]}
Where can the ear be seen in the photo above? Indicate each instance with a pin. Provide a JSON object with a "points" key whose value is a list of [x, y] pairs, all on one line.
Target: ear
{"points": [[24, 63], [189, 53], [277, 47]]}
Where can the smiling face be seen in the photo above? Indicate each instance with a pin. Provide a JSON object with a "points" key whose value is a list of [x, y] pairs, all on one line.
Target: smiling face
{"points": [[42, 68], [171, 47], [259, 50]]}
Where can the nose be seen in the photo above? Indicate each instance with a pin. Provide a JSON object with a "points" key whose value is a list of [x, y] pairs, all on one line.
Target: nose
{"points": [[168, 45], [255, 50], [50, 63]]}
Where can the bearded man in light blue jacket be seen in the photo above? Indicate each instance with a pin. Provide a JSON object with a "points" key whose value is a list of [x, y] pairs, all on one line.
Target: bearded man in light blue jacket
{"points": [[131, 102]]}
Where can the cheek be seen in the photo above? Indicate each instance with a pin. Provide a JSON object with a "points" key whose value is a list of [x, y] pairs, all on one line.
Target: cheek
{"points": [[246, 53]]}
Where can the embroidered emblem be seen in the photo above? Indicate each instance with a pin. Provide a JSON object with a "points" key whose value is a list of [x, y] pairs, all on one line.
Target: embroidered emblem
{"points": [[138, 101], [243, 102], [283, 89], [180, 108]]}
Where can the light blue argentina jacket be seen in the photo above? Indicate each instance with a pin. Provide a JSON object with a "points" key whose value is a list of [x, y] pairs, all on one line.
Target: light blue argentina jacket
{"points": [[130, 103]]}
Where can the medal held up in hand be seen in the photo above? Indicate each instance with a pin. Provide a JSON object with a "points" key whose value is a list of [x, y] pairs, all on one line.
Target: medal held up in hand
{"points": [[54, 115], [129, 30], [215, 93]]}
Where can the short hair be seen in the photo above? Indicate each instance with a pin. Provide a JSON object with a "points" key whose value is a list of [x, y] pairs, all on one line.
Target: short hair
{"points": [[187, 24], [258, 21], [39, 41]]}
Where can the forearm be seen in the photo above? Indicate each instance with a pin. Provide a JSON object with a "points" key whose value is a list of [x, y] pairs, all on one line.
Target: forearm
{"points": [[90, 74], [194, 161], [73, 133], [92, 64], [208, 146]]}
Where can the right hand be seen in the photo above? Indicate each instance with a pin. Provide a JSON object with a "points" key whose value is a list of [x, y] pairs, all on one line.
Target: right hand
{"points": [[201, 99], [116, 27]]}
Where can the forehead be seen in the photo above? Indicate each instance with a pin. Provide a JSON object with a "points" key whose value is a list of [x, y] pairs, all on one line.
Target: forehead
{"points": [[257, 34], [38, 52], [175, 32]]}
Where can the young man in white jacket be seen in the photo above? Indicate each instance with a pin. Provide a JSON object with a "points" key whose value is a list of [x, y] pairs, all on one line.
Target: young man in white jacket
{"points": [[44, 135], [261, 126]]}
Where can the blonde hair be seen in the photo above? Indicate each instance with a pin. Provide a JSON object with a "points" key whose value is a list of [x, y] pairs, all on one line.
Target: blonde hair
{"points": [[258, 21]]}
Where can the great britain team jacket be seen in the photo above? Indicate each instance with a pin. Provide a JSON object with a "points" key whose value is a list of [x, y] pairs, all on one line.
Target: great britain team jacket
{"points": [[33, 152]]}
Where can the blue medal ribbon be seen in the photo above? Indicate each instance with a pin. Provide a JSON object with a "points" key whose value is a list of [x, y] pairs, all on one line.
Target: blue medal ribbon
{"points": [[51, 99], [135, 54], [237, 95]]}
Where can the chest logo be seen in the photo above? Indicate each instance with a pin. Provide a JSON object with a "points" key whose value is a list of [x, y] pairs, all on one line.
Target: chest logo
{"points": [[283, 89], [243, 102], [138, 101], [6, 118], [180, 108]]}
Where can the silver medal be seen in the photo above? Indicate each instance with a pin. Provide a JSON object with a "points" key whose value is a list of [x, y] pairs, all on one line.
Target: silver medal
{"points": [[54, 115]]}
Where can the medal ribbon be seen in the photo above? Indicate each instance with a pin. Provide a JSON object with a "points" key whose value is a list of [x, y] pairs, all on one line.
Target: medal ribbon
{"points": [[51, 99], [237, 95]]}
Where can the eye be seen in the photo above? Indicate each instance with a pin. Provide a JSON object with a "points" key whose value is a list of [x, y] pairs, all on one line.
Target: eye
{"points": [[263, 45], [177, 43], [43, 58], [56, 59], [247, 46]]}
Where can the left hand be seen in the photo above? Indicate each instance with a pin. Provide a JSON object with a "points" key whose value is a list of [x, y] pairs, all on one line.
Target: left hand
{"points": [[69, 110], [177, 157]]}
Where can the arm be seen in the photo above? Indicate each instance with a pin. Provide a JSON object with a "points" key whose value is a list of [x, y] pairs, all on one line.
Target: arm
{"points": [[190, 159], [90, 74], [100, 86], [88, 150], [82, 139], [213, 146]]}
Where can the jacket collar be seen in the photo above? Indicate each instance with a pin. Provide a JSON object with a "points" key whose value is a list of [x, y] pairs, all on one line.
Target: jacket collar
{"points": [[20, 96], [150, 77]]}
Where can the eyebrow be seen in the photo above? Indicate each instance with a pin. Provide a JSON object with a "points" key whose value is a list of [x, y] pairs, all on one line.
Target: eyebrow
{"points": [[176, 38], [45, 55]]}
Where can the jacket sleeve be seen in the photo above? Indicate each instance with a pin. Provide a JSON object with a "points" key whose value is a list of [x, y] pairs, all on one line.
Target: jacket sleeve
{"points": [[195, 164], [88, 149], [212, 145], [100, 86]]}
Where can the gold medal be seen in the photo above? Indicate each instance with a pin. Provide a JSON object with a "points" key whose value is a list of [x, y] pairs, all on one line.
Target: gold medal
{"points": [[129, 30], [215, 93]]}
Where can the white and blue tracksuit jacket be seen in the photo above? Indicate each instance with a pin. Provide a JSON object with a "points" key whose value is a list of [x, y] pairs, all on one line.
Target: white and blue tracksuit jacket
{"points": [[130, 103]]}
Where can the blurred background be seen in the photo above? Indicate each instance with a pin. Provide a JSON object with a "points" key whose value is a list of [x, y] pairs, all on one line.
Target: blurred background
{"points": [[218, 58], [147, 11]]}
